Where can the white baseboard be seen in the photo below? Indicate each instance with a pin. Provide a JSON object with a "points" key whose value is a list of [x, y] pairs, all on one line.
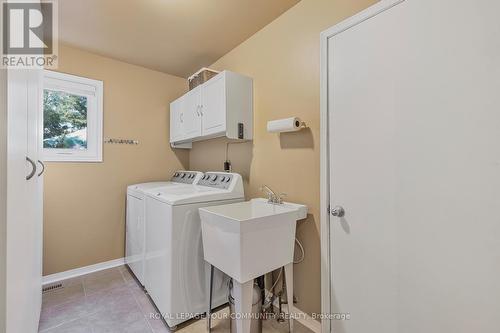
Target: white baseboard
{"points": [[301, 316], [52, 278], [308, 321]]}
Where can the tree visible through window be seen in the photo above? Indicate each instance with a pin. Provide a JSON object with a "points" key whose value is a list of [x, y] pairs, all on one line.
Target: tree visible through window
{"points": [[72, 118], [65, 120]]}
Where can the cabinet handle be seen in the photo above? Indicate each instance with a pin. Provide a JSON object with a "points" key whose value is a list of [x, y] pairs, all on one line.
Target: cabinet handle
{"points": [[201, 108], [43, 168], [33, 168], [180, 117]]}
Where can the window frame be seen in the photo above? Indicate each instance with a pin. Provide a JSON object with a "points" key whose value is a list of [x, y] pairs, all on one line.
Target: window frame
{"points": [[93, 91]]}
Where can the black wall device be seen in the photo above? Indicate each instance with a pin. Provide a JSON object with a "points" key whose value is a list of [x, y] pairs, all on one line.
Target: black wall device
{"points": [[240, 131], [227, 166]]}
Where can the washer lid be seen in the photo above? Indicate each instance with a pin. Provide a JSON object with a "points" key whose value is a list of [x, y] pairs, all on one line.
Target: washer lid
{"points": [[193, 194], [139, 189], [179, 178]]}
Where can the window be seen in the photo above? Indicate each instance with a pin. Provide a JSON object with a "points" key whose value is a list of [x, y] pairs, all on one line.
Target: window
{"points": [[72, 118]]}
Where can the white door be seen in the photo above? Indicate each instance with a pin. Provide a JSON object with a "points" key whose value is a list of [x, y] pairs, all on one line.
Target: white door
{"points": [[177, 120], [23, 261], [192, 113], [213, 97], [414, 130]]}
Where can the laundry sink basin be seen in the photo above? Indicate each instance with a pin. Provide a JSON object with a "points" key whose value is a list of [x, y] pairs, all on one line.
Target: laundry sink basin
{"points": [[248, 239]]}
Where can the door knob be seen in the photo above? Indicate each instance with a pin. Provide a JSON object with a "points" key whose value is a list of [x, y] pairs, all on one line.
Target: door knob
{"points": [[338, 211]]}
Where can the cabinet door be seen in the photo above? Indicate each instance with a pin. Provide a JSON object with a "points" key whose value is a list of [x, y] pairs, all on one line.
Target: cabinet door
{"points": [[23, 248], [213, 109], [192, 114], [176, 120]]}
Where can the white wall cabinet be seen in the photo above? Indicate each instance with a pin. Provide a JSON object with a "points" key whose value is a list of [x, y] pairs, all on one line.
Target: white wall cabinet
{"points": [[176, 121], [192, 114], [217, 108], [213, 106]]}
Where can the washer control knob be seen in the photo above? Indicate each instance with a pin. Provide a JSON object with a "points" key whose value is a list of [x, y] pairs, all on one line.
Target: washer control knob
{"points": [[183, 175], [228, 179], [214, 177]]}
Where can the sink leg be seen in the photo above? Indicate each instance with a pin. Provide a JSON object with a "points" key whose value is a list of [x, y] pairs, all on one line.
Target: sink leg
{"points": [[289, 293], [209, 285], [243, 294]]}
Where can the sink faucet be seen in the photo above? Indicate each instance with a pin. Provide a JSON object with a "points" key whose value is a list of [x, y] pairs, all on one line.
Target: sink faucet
{"points": [[272, 197]]}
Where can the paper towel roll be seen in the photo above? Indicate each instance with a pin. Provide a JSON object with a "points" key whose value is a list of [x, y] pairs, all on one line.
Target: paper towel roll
{"points": [[284, 125]]}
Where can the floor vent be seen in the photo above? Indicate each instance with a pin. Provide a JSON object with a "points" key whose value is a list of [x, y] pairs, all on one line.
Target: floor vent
{"points": [[52, 287]]}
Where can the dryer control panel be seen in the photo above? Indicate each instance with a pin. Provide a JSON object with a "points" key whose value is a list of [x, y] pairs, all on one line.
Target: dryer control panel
{"points": [[186, 177], [217, 180]]}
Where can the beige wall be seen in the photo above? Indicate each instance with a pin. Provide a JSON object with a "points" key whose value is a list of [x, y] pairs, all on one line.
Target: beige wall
{"points": [[84, 218], [3, 193], [85, 203], [283, 59]]}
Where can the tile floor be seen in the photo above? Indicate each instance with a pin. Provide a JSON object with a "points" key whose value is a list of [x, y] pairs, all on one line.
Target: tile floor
{"points": [[112, 301]]}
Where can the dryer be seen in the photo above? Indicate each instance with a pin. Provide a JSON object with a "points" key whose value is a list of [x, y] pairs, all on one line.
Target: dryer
{"points": [[135, 226], [175, 269]]}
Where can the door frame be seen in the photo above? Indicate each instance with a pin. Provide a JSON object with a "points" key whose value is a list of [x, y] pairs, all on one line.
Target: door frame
{"points": [[325, 126]]}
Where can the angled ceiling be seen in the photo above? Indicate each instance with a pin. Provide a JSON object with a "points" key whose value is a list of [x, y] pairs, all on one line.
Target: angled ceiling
{"points": [[173, 36]]}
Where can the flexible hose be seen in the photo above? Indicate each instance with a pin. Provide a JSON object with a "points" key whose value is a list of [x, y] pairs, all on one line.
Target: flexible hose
{"points": [[298, 261], [277, 280]]}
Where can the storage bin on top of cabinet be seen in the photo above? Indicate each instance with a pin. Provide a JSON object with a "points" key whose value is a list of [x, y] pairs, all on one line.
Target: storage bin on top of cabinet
{"points": [[220, 107]]}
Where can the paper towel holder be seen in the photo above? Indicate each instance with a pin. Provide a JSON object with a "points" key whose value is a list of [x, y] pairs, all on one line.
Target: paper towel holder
{"points": [[292, 124]]}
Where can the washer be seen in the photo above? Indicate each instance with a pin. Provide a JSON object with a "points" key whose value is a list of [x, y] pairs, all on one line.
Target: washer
{"points": [[135, 227], [175, 268]]}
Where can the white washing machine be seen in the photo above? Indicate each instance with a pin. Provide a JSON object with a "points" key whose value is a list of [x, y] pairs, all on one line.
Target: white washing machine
{"points": [[135, 228], [175, 268]]}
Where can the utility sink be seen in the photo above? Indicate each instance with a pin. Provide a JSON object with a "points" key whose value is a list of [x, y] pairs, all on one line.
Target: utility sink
{"points": [[248, 239]]}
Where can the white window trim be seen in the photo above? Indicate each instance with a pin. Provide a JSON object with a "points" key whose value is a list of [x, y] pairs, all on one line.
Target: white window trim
{"points": [[85, 87]]}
